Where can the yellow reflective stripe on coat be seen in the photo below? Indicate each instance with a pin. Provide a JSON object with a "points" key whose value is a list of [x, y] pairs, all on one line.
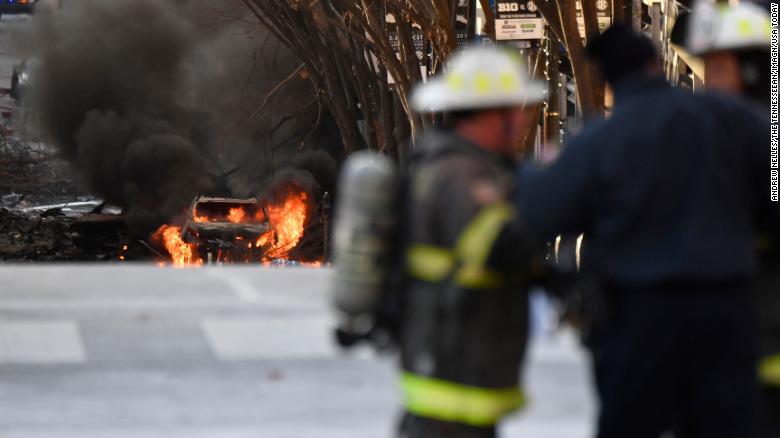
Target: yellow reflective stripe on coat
{"points": [[477, 277], [769, 370], [473, 247], [434, 264], [449, 401], [466, 263], [429, 263], [474, 244]]}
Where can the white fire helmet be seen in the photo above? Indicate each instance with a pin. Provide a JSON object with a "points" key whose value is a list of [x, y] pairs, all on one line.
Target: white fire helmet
{"points": [[479, 78], [715, 28]]}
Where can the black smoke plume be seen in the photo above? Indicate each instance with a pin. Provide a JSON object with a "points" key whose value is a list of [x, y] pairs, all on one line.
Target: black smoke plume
{"points": [[155, 102]]}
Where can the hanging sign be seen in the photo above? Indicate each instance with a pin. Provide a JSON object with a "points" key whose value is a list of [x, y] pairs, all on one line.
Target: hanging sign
{"points": [[518, 20]]}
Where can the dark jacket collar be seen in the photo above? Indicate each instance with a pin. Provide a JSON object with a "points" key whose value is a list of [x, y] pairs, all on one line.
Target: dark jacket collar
{"points": [[630, 88], [437, 142]]}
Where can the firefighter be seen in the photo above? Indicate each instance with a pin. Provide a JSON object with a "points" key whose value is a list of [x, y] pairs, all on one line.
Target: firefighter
{"points": [[665, 191], [463, 329], [734, 43]]}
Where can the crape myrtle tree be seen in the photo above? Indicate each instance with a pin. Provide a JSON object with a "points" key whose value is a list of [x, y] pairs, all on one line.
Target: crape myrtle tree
{"points": [[561, 16], [364, 57]]}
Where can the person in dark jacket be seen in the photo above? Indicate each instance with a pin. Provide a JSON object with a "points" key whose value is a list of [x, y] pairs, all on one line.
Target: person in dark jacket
{"points": [[667, 192], [736, 53], [464, 318]]}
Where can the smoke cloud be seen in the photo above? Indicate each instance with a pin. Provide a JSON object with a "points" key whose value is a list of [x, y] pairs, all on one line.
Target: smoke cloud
{"points": [[152, 101]]}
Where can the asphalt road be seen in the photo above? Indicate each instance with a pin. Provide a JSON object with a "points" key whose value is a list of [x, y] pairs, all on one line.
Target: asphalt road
{"points": [[141, 351]]}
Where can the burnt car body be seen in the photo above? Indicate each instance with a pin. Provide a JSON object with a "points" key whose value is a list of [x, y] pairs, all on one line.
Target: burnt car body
{"points": [[221, 235]]}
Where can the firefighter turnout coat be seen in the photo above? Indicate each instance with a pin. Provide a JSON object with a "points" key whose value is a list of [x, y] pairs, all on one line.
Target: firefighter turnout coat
{"points": [[464, 322]]}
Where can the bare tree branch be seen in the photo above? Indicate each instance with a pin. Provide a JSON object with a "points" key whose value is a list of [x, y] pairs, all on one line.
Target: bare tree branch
{"points": [[351, 49]]}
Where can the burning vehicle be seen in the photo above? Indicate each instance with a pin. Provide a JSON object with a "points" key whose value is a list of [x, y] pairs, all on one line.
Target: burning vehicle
{"points": [[17, 6], [224, 230]]}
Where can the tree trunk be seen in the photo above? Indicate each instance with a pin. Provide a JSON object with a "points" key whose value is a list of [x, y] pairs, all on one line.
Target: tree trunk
{"points": [[490, 19], [539, 61], [620, 12], [592, 31], [636, 15], [582, 75], [562, 18], [590, 17]]}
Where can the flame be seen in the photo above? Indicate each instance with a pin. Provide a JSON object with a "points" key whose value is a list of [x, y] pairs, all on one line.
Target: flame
{"points": [[287, 220], [236, 215], [183, 254]]}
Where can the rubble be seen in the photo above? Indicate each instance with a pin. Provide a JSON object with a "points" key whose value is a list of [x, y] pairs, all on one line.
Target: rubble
{"points": [[9, 201], [50, 235], [31, 173], [46, 215]]}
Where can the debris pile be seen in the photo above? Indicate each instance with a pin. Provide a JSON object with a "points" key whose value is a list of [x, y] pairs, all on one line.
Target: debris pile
{"points": [[33, 174], [61, 227], [52, 236]]}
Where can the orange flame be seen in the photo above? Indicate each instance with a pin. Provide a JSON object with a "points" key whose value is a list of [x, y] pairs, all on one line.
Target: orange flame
{"points": [[288, 220], [201, 219], [182, 253], [236, 215]]}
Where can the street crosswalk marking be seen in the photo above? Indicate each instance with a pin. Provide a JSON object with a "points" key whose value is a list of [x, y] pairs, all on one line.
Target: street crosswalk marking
{"points": [[229, 339], [242, 288], [41, 342], [261, 339]]}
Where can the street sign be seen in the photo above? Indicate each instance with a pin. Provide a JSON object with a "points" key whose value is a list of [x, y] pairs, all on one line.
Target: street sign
{"points": [[520, 29], [518, 20], [419, 42], [465, 21]]}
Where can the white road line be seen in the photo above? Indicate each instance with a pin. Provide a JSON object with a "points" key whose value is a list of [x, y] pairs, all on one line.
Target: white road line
{"points": [[264, 339], [60, 305], [123, 304], [242, 288], [41, 342]]}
